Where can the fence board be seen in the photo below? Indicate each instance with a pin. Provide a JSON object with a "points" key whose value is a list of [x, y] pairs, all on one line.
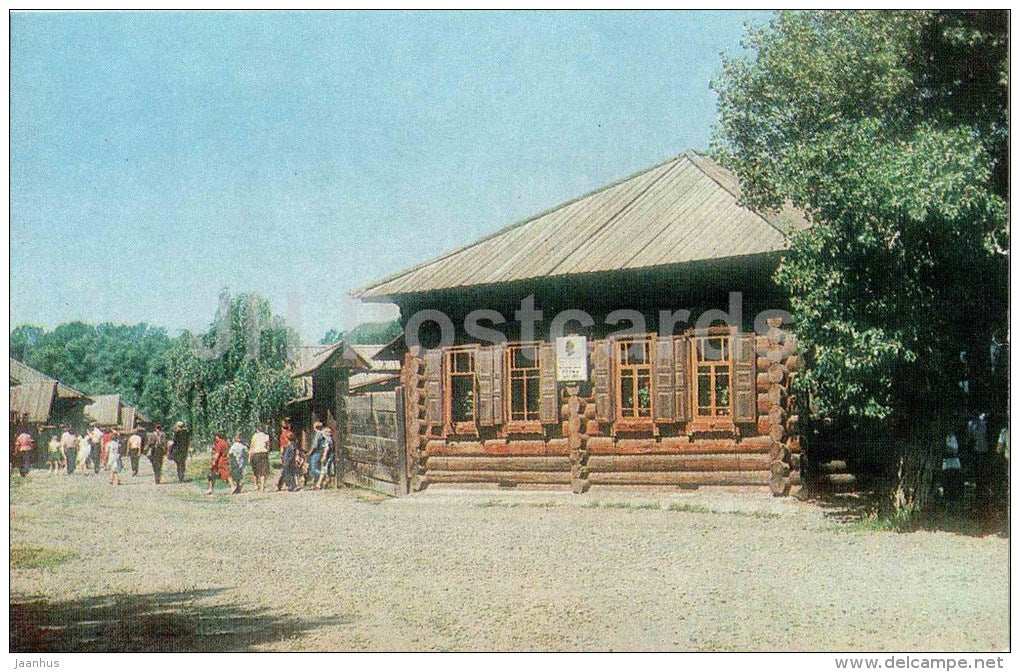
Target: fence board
{"points": [[373, 449]]}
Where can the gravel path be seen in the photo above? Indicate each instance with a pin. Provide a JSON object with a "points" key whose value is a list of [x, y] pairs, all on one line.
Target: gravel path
{"points": [[168, 568]]}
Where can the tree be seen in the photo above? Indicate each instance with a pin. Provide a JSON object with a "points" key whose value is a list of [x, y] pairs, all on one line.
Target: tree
{"points": [[23, 339], [103, 359], [230, 390], [365, 333], [889, 129]]}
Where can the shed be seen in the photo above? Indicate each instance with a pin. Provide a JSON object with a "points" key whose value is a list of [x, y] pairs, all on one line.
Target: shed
{"points": [[323, 376]]}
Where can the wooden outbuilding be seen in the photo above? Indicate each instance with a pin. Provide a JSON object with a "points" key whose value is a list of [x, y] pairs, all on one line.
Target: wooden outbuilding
{"points": [[110, 410], [40, 404], [676, 401], [323, 375]]}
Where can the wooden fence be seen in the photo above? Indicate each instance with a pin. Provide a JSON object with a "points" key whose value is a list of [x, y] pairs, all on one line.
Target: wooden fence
{"points": [[374, 452]]}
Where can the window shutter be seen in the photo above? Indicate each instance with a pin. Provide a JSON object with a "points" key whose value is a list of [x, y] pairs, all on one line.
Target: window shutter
{"points": [[434, 386], [603, 381], [483, 370], [498, 361], [744, 398], [664, 405], [548, 409], [681, 378]]}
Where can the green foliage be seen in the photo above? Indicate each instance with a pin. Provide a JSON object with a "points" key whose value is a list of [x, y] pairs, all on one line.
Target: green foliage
{"points": [[365, 333], [103, 359], [230, 391], [23, 338], [857, 118]]}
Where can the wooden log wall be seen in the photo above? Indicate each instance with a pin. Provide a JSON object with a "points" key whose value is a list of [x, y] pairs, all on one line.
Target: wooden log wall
{"points": [[779, 362], [582, 452], [416, 427]]}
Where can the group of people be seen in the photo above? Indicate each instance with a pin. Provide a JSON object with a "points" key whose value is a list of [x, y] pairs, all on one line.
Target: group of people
{"points": [[99, 449], [314, 468]]}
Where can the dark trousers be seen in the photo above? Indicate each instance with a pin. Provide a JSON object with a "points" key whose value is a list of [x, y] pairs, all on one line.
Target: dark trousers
{"points": [[181, 461], [94, 458], [72, 458], [134, 457], [157, 465], [24, 462], [287, 477]]}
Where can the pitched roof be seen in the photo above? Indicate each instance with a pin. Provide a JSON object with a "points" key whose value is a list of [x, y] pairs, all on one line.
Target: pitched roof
{"points": [[318, 358], [23, 373], [104, 410], [33, 400], [370, 352], [360, 380], [679, 211]]}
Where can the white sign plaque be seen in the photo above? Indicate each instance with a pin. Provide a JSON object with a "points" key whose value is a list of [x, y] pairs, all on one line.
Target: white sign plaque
{"points": [[571, 359]]}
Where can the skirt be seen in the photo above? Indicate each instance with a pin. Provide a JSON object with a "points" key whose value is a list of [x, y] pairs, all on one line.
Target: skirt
{"points": [[116, 464], [260, 464]]}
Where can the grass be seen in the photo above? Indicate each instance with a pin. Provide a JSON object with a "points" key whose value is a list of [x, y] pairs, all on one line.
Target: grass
{"points": [[496, 504], [688, 508], [633, 506], [37, 557], [698, 508], [503, 504]]}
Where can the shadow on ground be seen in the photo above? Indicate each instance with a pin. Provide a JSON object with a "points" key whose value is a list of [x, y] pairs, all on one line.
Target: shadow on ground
{"points": [[965, 517], [154, 622]]}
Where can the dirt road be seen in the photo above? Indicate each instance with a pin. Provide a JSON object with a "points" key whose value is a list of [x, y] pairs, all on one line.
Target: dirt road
{"points": [[149, 568]]}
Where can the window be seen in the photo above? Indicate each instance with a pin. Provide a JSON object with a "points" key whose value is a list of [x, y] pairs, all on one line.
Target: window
{"points": [[525, 393], [461, 387], [634, 377], [713, 376]]}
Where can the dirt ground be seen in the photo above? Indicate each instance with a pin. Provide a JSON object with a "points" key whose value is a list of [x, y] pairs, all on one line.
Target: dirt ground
{"points": [[146, 568]]}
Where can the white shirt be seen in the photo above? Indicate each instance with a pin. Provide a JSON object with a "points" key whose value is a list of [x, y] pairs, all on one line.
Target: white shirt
{"points": [[259, 443]]}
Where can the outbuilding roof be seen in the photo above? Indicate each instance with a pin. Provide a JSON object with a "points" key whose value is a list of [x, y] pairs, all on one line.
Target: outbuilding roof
{"points": [[33, 401], [22, 373], [104, 410], [337, 355], [683, 210]]}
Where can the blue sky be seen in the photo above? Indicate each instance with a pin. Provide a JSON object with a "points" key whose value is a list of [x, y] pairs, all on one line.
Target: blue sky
{"points": [[157, 157]]}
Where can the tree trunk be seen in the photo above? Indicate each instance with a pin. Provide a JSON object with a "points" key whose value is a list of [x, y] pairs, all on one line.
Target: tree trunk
{"points": [[917, 470]]}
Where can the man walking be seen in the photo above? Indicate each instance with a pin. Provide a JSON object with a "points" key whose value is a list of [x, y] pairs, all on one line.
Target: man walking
{"points": [[134, 449], [155, 448], [95, 454], [69, 448], [179, 448]]}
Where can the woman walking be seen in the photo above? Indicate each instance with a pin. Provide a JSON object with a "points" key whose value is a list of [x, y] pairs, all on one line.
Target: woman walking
{"points": [[238, 455], [328, 458], [289, 454], [113, 458], [23, 446], [220, 467], [315, 458], [84, 452]]}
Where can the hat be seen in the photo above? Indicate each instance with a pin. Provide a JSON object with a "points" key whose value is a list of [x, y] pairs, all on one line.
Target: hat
{"points": [[179, 424]]}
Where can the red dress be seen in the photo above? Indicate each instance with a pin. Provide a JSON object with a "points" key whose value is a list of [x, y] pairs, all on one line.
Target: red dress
{"points": [[220, 461]]}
